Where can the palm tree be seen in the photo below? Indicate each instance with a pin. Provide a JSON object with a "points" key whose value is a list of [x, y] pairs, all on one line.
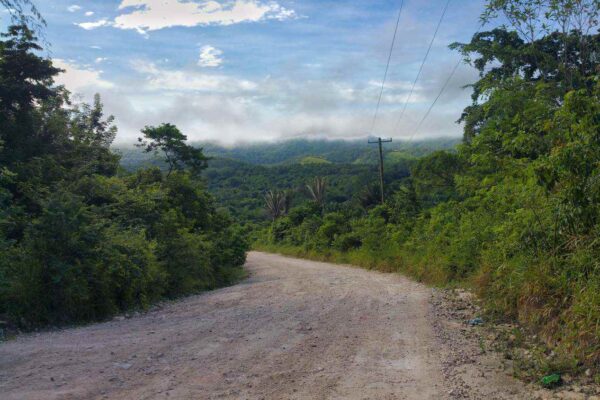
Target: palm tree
{"points": [[277, 203], [316, 190]]}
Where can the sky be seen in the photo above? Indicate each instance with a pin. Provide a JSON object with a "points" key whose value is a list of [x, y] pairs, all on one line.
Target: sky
{"points": [[235, 71]]}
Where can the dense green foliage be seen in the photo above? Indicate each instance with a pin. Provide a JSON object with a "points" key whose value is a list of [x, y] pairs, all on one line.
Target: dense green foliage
{"points": [[80, 241], [240, 187], [516, 211], [240, 176]]}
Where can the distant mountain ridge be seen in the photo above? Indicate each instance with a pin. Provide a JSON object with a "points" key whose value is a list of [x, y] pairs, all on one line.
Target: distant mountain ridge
{"points": [[335, 151], [302, 151]]}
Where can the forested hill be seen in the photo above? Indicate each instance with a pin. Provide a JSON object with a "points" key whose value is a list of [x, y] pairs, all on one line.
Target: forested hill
{"points": [[240, 187], [303, 151], [240, 176], [335, 151]]}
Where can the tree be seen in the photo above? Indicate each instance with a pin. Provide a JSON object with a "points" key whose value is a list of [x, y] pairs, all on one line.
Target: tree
{"points": [[316, 190], [534, 18], [555, 63], [370, 196], [26, 77], [26, 81], [277, 203], [90, 135], [433, 177], [178, 155], [90, 127]]}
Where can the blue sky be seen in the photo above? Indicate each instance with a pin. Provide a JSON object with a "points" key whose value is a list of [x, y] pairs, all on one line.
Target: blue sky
{"points": [[248, 70]]}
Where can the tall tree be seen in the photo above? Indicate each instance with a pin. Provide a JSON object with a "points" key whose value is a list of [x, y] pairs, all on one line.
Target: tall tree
{"points": [[553, 46], [26, 80], [169, 140], [90, 137], [277, 203], [316, 190], [89, 125]]}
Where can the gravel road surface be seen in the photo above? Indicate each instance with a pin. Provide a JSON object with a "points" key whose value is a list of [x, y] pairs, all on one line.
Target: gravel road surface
{"points": [[295, 329]]}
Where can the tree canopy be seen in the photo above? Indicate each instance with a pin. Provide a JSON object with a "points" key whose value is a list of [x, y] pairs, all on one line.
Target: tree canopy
{"points": [[79, 239], [171, 142]]}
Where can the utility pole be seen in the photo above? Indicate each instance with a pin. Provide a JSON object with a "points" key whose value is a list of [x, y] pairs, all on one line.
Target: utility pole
{"points": [[380, 142]]}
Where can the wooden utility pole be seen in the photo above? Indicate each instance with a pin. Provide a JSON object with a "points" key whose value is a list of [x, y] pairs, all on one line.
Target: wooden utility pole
{"points": [[380, 142]]}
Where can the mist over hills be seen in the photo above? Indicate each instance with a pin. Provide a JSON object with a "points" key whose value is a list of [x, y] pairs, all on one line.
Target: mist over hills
{"points": [[335, 151], [302, 151]]}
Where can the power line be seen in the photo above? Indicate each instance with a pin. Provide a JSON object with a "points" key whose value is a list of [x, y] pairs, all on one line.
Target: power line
{"points": [[437, 98], [437, 28], [387, 67], [442, 90]]}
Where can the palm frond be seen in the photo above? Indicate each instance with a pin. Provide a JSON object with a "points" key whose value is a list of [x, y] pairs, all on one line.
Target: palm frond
{"points": [[277, 203], [316, 190]]}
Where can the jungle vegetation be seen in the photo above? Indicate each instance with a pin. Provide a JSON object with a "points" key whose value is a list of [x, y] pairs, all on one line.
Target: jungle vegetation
{"points": [[240, 180], [80, 238]]}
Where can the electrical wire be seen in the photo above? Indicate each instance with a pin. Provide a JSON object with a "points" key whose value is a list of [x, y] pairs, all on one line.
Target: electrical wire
{"points": [[442, 90], [387, 68], [437, 98], [412, 89]]}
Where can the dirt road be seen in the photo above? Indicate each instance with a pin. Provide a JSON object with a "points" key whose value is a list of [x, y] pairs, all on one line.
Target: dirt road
{"points": [[295, 330]]}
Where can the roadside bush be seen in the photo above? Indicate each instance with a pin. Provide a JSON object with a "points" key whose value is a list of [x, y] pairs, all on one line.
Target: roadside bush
{"points": [[185, 258], [71, 267], [347, 241], [79, 239]]}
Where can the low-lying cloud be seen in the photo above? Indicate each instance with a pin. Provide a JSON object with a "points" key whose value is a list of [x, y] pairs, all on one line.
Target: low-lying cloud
{"points": [[219, 107], [80, 78]]}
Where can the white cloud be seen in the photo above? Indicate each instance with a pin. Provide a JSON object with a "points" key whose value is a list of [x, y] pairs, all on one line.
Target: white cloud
{"points": [[100, 60], [210, 57], [74, 8], [93, 25], [77, 78], [211, 105], [215, 106], [185, 81], [89, 13], [150, 15]]}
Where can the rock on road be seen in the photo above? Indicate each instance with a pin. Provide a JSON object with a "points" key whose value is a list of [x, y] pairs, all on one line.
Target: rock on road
{"points": [[295, 329]]}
